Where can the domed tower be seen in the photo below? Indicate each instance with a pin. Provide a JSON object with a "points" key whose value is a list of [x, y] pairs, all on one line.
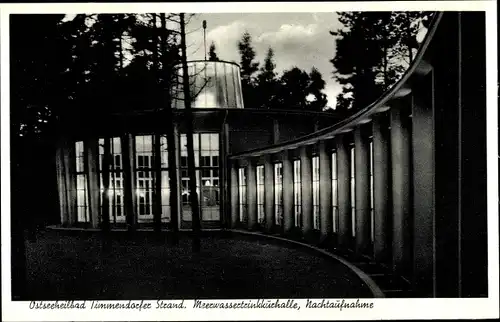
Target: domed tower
{"points": [[214, 84]]}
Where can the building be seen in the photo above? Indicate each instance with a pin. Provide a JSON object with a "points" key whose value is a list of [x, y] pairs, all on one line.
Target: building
{"points": [[402, 182], [221, 127]]}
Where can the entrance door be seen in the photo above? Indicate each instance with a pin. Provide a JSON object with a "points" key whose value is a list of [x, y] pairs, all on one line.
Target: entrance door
{"points": [[206, 153]]}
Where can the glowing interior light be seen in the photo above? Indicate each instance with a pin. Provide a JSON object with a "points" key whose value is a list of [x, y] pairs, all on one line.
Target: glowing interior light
{"points": [[139, 192], [207, 183], [206, 99]]}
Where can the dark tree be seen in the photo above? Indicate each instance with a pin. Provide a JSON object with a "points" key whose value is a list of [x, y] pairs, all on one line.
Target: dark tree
{"points": [[268, 83], [36, 66], [212, 55], [294, 89], [357, 55], [373, 49], [248, 68], [298, 90], [316, 86]]}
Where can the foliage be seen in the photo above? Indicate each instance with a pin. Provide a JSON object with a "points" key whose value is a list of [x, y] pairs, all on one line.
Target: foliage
{"points": [[212, 55], [248, 68], [90, 64], [264, 88], [268, 83], [373, 49]]}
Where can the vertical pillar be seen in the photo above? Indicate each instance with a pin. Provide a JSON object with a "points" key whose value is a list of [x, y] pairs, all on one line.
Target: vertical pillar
{"points": [[224, 170], [251, 195], [423, 183], [269, 193], [92, 155], [61, 184], [401, 176], [307, 197], [234, 194], [473, 245], [362, 186], [70, 176], [176, 189], [381, 190], [128, 149], [325, 190], [288, 218], [344, 191]]}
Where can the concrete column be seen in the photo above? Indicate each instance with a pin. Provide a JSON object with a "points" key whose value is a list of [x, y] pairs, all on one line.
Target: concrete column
{"points": [[423, 191], [269, 193], [381, 190], [234, 194], [325, 190], [92, 156], [362, 186], [225, 185], [61, 184], [344, 191], [177, 188], [288, 216], [70, 177], [128, 152], [307, 197], [251, 195], [401, 202]]}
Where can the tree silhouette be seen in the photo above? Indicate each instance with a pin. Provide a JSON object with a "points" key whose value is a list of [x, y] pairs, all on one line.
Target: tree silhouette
{"points": [[248, 68], [316, 86], [373, 49], [212, 55], [268, 83]]}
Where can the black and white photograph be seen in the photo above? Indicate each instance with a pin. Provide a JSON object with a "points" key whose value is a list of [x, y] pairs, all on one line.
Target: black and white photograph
{"points": [[180, 162]]}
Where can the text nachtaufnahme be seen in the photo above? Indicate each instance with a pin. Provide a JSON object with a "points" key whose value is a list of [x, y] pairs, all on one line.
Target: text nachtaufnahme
{"points": [[338, 304]]}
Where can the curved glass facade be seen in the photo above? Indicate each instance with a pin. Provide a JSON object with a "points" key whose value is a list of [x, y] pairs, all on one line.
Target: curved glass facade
{"points": [[214, 84]]}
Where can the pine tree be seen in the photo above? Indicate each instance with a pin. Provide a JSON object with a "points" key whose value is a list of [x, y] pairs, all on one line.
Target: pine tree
{"points": [[294, 89], [248, 68], [268, 85], [373, 50], [315, 88], [357, 55], [212, 55]]}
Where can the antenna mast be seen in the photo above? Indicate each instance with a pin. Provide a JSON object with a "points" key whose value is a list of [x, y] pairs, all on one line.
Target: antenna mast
{"points": [[205, 38]]}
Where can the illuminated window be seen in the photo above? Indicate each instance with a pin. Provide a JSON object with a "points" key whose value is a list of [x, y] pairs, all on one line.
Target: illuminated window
{"points": [[209, 162], [315, 191], [206, 158], [144, 177], [242, 189], [165, 184], [335, 205], [260, 194], [115, 192], [297, 196], [81, 184], [353, 192], [278, 193]]}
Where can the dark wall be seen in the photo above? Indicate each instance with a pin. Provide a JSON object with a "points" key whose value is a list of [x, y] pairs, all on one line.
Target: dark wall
{"points": [[254, 133], [292, 129]]}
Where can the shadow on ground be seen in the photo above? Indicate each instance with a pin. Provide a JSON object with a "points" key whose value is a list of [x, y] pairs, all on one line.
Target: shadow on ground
{"points": [[77, 267]]}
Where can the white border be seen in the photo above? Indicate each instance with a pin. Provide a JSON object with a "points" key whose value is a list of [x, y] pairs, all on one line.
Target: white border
{"points": [[383, 308]]}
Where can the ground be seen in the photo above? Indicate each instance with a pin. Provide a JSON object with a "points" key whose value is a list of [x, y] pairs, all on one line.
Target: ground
{"points": [[60, 266]]}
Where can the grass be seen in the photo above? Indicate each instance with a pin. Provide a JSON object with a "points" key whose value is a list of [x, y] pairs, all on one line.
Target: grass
{"points": [[60, 266]]}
